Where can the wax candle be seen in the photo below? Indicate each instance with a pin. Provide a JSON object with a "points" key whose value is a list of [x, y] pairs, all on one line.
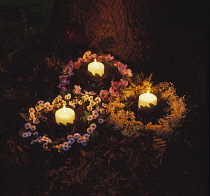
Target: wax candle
{"points": [[96, 68], [65, 115], [146, 99]]}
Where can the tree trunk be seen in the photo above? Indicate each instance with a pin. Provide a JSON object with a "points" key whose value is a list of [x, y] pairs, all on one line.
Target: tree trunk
{"points": [[116, 26]]}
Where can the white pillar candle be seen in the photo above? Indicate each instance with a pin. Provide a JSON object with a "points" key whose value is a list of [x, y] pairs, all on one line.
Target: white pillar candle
{"points": [[96, 68], [65, 115], [146, 99]]}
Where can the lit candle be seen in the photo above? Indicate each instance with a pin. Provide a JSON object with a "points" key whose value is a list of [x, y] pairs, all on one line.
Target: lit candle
{"points": [[65, 115], [146, 99], [96, 68]]}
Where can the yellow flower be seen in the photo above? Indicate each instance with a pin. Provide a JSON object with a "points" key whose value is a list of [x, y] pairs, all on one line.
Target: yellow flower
{"points": [[80, 102], [36, 121], [50, 108], [40, 102], [89, 108], [41, 106], [90, 98], [71, 104], [98, 99], [68, 96], [38, 108], [47, 104], [92, 103], [59, 97], [31, 110]]}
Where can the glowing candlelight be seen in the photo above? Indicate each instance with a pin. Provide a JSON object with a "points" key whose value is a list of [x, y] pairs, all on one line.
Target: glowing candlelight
{"points": [[65, 115], [96, 68], [146, 99]]}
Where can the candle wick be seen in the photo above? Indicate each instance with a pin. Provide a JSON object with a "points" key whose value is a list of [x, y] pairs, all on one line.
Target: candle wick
{"points": [[148, 94]]}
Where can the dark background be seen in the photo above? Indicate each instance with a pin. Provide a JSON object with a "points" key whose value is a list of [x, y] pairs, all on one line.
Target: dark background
{"points": [[180, 33]]}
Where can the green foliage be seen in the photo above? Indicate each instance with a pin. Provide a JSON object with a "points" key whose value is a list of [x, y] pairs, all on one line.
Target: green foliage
{"points": [[86, 114]]}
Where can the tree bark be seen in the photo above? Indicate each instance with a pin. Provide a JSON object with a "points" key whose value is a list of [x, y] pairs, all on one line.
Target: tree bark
{"points": [[120, 27]]}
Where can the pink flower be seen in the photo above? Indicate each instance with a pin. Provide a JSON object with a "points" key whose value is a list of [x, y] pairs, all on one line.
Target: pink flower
{"points": [[76, 89], [123, 83], [113, 92], [108, 57], [126, 72], [115, 85], [103, 94], [121, 66]]}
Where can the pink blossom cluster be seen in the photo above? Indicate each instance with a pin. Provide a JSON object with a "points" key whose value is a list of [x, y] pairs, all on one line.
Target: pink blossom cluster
{"points": [[122, 68], [114, 90]]}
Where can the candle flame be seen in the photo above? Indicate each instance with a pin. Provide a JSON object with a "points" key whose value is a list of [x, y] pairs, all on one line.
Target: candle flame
{"points": [[95, 61], [64, 107]]}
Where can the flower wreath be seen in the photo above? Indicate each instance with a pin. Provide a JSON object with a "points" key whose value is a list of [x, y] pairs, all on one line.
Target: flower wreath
{"points": [[89, 103], [125, 120], [77, 70]]}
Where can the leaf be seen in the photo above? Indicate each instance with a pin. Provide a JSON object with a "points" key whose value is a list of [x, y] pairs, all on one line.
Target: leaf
{"points": [[25, 116], [150, 77], [86, 114], [133, 85]]}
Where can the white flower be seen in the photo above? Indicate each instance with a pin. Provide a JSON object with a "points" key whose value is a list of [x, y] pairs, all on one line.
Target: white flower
{"points": [[70, 142], [77, 136], [90, 117], [65, 148], [69, 137], [95, 113], [101, 120], [93, 126], [28, 134], [86, 136], [28, 126], [36, 133], [90, 130], [24, 135]]}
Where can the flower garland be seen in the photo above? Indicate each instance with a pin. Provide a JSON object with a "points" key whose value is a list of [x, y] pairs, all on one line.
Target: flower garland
{"points": [[114, 70], [125, 120], [94, 115]]}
